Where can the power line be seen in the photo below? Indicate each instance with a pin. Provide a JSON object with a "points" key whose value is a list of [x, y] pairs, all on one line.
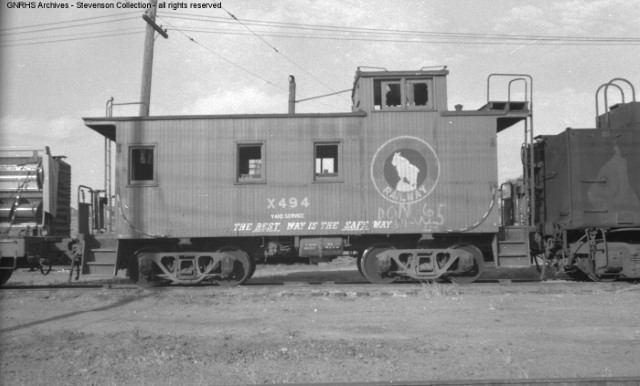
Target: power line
{"points": [[230, 61], [396, 32], [220, 56], [281, 53], [10, 43], [65, 27], [420, 41], [114, 32]]}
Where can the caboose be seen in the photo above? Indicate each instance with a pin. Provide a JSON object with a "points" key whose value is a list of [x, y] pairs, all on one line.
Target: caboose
{"points": [[402, 182]]}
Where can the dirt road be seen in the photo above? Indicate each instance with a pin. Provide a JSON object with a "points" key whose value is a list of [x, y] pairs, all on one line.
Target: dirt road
{"points": [[318, 333]]}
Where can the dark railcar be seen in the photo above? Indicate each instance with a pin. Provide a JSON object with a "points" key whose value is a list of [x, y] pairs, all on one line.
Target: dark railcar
{"points": [[589, 194]]}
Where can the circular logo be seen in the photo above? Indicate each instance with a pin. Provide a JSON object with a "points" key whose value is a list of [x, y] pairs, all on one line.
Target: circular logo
{"points": [[405, 170]]}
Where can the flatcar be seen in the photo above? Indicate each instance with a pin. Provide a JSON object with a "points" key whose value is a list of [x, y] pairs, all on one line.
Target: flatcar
{"points": [[35, 211]]}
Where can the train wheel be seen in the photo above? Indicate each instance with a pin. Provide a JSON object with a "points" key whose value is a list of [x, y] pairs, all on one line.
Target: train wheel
{"points": [[602, 278], [376, 269], [5, 274], [242, 266], [472, 273], [141, 268], [45, 266]]}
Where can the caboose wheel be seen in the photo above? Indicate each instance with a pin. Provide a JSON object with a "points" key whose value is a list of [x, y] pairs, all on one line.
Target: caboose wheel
{"points": [[5, 274], [602, 278], [141, 268], [374, 267], [45, 266], [471, 273], [241, 267]]}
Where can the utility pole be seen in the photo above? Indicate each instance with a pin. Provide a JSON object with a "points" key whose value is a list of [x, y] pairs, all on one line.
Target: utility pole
{"points": [[147, 62]]}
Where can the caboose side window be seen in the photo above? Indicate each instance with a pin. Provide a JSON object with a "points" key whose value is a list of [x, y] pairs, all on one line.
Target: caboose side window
{"points": [[142, 165], [250, 163], [327, 160]]}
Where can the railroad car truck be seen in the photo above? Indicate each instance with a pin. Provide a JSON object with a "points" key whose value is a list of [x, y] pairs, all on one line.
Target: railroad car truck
{"points": [[401, 182], [35, 216]]}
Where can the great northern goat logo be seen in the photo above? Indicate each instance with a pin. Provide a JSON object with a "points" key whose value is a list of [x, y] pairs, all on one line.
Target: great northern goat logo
{"points": [[405, 170]]}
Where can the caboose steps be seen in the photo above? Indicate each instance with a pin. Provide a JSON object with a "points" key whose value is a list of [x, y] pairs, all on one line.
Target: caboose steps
{"points": [[99, 257], [513, 247]]}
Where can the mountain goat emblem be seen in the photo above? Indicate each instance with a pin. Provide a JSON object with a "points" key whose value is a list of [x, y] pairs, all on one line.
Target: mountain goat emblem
{"points": [[407, 172]]}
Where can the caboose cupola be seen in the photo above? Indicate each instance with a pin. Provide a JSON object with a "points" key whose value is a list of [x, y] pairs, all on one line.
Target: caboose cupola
{"points": [[382, 90]]}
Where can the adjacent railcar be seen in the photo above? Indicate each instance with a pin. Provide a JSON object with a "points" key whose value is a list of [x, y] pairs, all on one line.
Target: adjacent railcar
{"points": [[588, 192], [35, 211], [402, 182]]}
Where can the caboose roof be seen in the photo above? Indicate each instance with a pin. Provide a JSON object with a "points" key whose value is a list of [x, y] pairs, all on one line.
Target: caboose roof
{"points": [[382, 73], [106, 126]]}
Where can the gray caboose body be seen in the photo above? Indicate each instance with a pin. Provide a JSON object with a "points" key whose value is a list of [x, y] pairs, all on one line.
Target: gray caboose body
{"points": [[195, 195]]}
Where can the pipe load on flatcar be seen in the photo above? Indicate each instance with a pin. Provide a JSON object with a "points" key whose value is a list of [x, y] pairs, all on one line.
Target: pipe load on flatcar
{"points": [[35, 212]]}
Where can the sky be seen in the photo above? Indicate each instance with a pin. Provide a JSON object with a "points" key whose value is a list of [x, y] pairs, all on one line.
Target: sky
{"points": [[58, 65]]}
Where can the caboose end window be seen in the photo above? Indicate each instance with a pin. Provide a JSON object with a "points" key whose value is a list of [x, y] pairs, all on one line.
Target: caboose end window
{"points": [[394, 94], [142, 165], [250, 163], [327, 161], [418, 93]]}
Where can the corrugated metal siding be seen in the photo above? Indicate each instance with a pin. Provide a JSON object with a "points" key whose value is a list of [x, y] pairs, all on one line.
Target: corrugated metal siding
{"points": [[465, 147], [198, 196], [197, 193]]}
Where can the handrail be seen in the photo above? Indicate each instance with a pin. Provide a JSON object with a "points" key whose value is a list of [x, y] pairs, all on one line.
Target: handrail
{"points": [[529, 174], [525, 89], [110, 104], [528, 98], [606, 98]]}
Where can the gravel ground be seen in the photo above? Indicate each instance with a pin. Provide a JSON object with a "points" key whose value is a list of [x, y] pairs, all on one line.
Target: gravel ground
{"points": [[297, 333]]}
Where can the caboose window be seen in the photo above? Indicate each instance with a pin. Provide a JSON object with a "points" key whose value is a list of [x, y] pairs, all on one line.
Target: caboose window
{"points": [[327, 160], [417, 93], [402, 94], [142, 165], [250, 163]]}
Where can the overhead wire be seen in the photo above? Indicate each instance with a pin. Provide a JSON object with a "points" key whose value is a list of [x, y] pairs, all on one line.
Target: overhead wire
{"points": [[10, 43], [422, 41], [228, 60], [279, 52], [220, 56], [399, 32], [67, 21], [68, 26], [70, 37]]}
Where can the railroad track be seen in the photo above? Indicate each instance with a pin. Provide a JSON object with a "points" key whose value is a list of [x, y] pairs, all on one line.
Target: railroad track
{"points": [[352, 289], [597, 381]]}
